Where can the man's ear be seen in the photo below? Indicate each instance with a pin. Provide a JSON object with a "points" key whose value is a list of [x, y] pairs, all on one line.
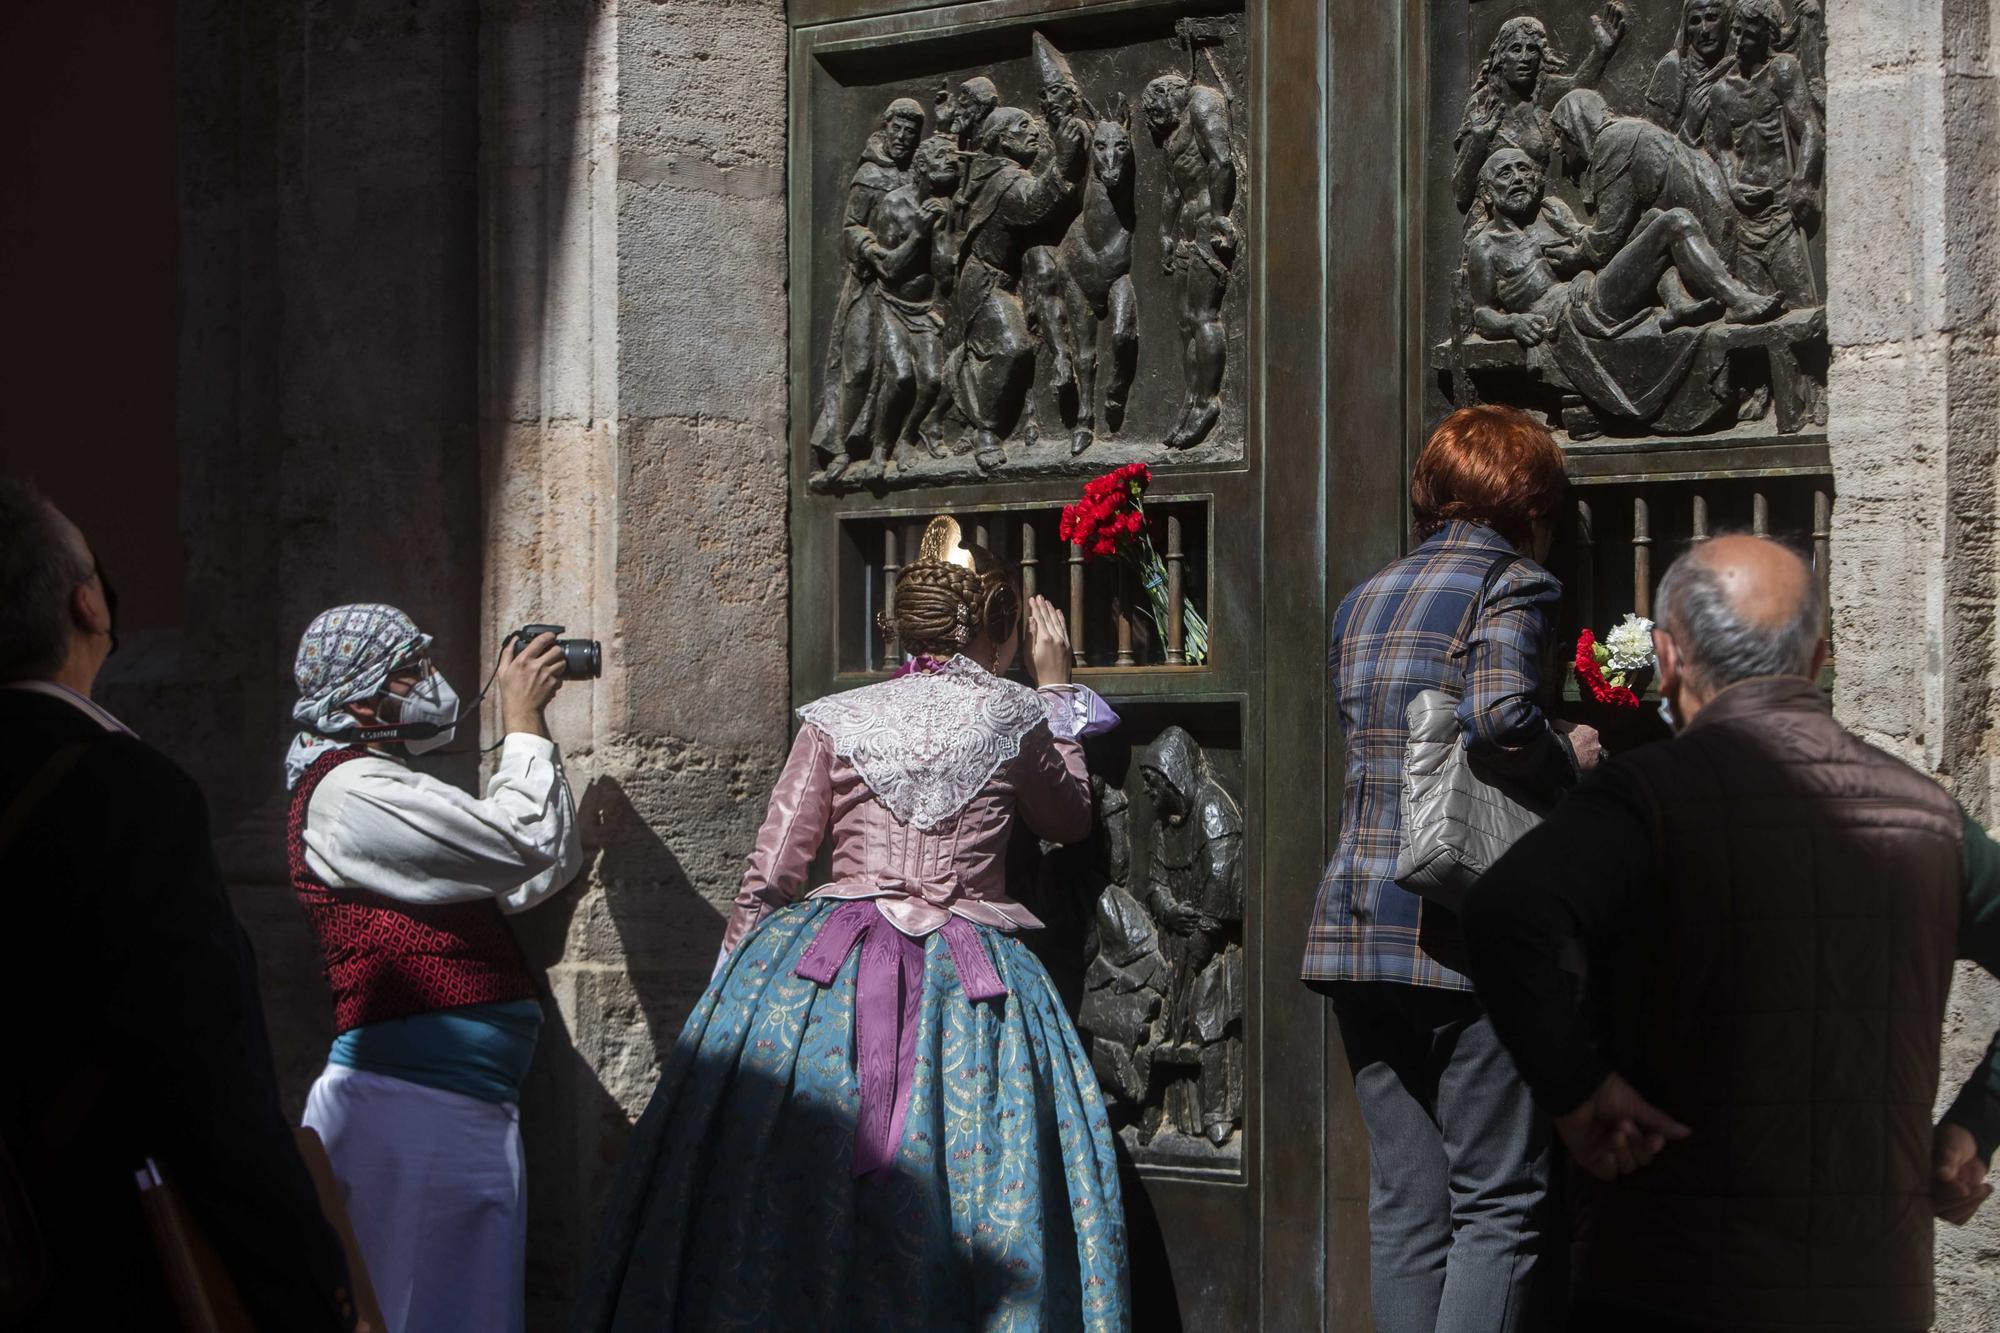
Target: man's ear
{"points": [[87, 609], [1668, 656], [1821, 651]]}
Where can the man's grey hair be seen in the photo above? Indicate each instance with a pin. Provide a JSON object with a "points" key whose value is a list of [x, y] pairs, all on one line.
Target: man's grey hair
{"points": [[40, 566], [1718, 645]]}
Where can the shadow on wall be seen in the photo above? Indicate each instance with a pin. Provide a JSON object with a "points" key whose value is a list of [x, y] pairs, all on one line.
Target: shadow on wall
{"points": [[636, 908]]}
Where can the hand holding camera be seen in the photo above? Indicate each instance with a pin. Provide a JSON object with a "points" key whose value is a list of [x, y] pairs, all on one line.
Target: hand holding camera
{"points": [[534, 663]]}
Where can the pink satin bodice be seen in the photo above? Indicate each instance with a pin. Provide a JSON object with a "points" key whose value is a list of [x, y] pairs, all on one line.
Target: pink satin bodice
{"points": [[918, 877]]}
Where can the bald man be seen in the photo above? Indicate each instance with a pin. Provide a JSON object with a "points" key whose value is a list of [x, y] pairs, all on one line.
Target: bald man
{"points": [[1722, 966]]}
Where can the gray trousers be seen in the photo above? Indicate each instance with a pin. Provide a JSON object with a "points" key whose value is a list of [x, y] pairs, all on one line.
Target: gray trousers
{"points": [[1458, 1163]]}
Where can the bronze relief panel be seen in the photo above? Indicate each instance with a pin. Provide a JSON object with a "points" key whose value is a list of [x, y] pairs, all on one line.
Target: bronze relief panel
{"points": [[1624, 227], [1027, 250], [1144, 937]]}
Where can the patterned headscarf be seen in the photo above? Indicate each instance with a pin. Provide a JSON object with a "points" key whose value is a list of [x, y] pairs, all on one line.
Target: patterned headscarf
{"points": [[345, 656]]}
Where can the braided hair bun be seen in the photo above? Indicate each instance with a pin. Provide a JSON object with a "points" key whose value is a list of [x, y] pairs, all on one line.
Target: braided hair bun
{"points": [[950, 595]]}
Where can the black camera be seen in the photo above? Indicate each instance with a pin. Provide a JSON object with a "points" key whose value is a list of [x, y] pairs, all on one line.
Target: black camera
{"points": [[583, 659]]}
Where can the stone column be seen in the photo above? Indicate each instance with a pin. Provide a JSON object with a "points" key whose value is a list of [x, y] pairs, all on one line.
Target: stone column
{"points": [[1913, 259], [633, 446]]}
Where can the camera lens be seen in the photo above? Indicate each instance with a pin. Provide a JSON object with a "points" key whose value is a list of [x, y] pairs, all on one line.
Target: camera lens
{"points": [[583, 659]]}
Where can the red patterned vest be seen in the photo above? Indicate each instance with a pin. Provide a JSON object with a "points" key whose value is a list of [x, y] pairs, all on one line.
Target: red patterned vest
{"points": [[386, 959]]}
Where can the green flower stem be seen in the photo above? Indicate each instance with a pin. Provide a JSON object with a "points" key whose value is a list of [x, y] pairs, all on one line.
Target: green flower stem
{"points": [[1153, 573]]}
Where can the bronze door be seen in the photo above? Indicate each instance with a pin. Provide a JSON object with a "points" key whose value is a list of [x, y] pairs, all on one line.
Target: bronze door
{"points": [[1034, 240]]}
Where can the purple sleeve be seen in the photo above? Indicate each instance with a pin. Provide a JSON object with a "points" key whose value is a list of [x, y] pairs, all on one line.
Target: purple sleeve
{"points": [[1076, 711]]}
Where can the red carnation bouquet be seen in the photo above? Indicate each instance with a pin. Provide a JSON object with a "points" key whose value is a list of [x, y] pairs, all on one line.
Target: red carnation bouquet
{"points": [[1590, 675], [1110, 520]]}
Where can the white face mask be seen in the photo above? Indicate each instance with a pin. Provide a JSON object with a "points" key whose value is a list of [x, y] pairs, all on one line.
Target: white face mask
{"points": [[431, 700]]}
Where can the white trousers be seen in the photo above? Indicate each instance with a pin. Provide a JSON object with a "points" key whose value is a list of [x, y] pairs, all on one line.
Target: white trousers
{"points": [[436, 1189]]}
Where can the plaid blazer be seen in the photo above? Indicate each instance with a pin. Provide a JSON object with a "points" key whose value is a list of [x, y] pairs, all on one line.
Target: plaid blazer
{"points": [[1394, 636]]}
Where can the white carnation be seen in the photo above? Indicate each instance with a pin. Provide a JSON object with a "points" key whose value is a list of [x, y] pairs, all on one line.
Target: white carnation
{"points": [[1630, 644]]}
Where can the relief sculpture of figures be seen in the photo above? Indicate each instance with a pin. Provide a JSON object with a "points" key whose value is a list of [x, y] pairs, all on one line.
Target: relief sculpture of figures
{"points": [[1018, 319], [1684, 80], [1526, 269], [846, 427], [910, 337], [1518, 84], [1765, 130], [1629, 169], [1195, 893], [1126, 979], [1163, 999], [1089, 275], [1198, 238], [1685, 296], [1003, 196]]}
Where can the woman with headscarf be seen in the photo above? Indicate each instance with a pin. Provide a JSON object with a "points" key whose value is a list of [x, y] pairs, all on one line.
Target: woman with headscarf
{"points": [[879, 1115], [405, 880]]}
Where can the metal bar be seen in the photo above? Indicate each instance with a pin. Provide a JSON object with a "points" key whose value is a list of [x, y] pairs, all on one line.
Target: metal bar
{"points": [[1121, 611], [892, 649], [1700, 516], [1642, 556], [1586, 563], [1822, 541], [1176, 557], [1031, 564], [1760, 513], [1076, 648]]}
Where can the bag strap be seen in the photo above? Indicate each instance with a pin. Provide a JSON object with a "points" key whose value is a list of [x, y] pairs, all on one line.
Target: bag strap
{"points": [[1501, 564]]}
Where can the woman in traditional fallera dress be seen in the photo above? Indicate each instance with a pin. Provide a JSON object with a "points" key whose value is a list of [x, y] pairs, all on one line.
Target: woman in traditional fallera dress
{"points": [[879, 1115]]}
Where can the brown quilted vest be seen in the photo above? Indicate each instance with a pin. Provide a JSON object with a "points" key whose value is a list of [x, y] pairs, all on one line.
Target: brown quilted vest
{"points": [[1788, 1008]]}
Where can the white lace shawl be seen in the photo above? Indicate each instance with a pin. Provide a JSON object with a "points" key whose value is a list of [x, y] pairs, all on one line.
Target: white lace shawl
{"points": [[927, 743]]}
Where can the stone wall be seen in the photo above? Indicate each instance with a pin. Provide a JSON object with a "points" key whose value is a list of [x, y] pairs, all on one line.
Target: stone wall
{"points": [[1913, 164], [633, 441]]}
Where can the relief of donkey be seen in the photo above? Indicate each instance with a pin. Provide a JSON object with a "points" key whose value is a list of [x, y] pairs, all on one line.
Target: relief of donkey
{"points": [[1087, 282]]}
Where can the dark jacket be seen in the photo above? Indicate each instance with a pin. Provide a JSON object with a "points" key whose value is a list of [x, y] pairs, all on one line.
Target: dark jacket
{"points": [[1811, 917], [134, 1030], [1770, 909]]}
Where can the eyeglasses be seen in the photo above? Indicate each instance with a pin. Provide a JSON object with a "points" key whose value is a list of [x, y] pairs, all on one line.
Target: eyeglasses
{"points": [[413, 673]]}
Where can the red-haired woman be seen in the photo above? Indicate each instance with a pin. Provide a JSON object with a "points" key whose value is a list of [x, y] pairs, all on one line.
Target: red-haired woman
{"points": [[1458, 1155]]}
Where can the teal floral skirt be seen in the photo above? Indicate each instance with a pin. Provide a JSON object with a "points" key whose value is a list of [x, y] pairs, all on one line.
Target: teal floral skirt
{"points": [[738, 1207]]}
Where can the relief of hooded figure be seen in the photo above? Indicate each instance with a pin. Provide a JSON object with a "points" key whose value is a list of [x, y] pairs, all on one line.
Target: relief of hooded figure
{"points": [[1195, 892], [1629, 167]]}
